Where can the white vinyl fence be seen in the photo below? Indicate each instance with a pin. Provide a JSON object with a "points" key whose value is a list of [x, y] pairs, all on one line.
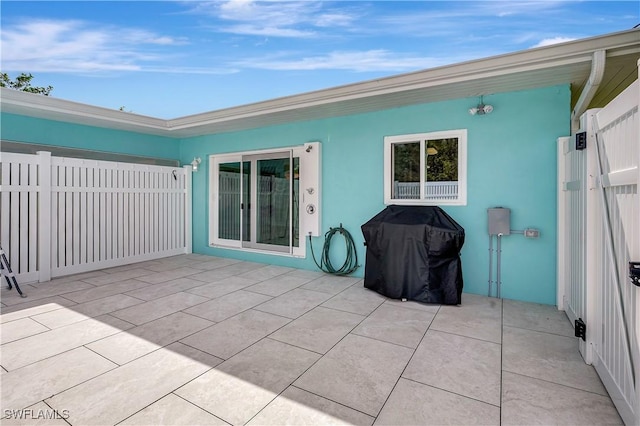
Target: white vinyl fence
{"points": [[60, 216], [432, 190], [599, 230]]}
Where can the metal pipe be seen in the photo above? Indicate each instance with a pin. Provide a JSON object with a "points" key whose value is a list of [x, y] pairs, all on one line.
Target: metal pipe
{"points": [[490, 264], [590, 88], [498, 265]]}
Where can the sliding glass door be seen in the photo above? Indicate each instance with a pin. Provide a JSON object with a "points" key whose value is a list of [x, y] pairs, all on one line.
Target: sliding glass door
{"points": [[258, 199]]}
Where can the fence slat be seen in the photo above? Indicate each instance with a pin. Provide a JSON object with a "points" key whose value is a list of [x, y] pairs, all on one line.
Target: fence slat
{"points": [[5, 205], [33, 219], [90, 217], [75, 201], [24, 219]]}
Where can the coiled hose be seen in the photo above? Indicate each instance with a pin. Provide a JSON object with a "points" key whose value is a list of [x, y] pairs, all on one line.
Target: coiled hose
{"points": [[351, 261]]}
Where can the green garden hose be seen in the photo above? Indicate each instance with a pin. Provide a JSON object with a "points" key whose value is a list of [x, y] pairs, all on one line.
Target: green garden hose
{"points": [[351, 261]]}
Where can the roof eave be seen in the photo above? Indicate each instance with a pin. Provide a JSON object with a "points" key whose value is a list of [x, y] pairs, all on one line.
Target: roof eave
{"points": [[555, 56]]}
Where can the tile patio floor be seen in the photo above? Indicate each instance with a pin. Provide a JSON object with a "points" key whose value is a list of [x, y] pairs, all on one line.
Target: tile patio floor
{"points": [[197, 340]]}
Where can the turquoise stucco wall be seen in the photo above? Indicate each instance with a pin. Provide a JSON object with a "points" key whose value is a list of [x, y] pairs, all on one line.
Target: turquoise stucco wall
{"points": [[511, 163], [21, 128]]}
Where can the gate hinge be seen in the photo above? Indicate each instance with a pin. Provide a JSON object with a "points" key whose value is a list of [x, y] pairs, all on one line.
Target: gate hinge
{"points": [[634, 273], [581, 329]]}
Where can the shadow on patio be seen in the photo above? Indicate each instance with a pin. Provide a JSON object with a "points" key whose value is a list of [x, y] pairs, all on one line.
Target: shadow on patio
{"points": [[201, 340]]}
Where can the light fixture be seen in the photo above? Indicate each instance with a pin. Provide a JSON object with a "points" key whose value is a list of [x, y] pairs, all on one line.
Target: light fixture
{"points": [[194, 164], [481, 108]]}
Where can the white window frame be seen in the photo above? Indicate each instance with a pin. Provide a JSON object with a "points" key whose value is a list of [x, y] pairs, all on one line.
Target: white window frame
{"points": [[422, 138], [214, 241]]}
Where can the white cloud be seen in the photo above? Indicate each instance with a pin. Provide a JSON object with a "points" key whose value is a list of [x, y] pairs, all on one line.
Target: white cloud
{"points": [[75, 46], [293, 19], [362, 61], [267, 31], [334, 19], [553, 40]]}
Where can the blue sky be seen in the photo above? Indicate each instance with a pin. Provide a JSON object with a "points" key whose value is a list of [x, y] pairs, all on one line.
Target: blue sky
{"points": [[170, 59]]}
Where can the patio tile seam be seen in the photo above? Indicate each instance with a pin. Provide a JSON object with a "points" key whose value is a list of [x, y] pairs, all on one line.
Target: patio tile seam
{"points": [[348, 312], [30, 335], [452, 393], [292, 381], [116, 366], [364, 317], [126, 294], [147, 353], [264, 337], [120, 319], [229, 422], [59, 353], [537, 331], [77, 384], [157, 318], [28, 291], [605, 395], [403, 370], [195, 315], [277, 315], [194, 404], [369, 338], [329, 399], [102, 356], [396, 384], [385, 341], [168, 279], [202, 350], [244, 349], [63, 280], [465, 336], [59, 295], [288, 291], [295, 346], [393, 343], [208, 281], [194, 379]]}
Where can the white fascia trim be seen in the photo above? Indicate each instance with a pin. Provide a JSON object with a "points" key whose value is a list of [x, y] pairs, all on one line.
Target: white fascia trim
{"points": [[15, 101]]}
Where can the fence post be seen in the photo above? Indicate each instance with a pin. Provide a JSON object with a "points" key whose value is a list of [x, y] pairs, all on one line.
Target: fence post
{"points": [[44, 216], [188, 197]]}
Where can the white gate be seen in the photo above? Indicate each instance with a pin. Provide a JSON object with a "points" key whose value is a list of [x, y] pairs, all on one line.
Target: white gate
{"points": [[599, 235], [61, 216], [617, 242]]}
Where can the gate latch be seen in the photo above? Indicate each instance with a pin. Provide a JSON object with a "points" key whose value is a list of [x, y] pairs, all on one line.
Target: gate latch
{"points": [[580, 329], [581, 141], [634, 273]]}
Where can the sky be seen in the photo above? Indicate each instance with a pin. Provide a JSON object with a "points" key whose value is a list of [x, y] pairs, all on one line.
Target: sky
{"points": [[170, 59]]}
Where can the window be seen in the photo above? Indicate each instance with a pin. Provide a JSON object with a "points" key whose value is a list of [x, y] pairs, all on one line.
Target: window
{"points": [[254, 201], [426, 168]]}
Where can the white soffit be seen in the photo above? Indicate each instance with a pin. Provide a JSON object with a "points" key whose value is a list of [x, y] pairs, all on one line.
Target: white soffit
{"points": [[541, 67]]}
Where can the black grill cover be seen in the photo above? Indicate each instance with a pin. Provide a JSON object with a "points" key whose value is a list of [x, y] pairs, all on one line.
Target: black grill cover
{"points": [[413, 252]]}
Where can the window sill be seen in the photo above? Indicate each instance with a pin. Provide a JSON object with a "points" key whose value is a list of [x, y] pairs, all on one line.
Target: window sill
{"points": [[405, 202]]}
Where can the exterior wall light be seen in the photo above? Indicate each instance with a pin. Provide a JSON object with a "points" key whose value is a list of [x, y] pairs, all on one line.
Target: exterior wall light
{"points": [[194, 164], [481, 109]]}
